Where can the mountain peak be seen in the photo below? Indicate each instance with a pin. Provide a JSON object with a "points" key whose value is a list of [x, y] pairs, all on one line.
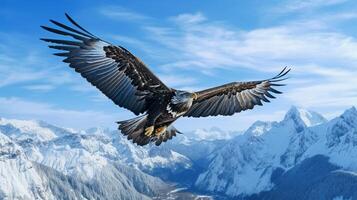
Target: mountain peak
{"points": [[350, 116], [259, 127], [350, 112], [303, 117]]}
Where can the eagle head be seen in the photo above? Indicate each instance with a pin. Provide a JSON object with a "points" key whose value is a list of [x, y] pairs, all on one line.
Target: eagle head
{"points": [[181, 101], [182, 97]]}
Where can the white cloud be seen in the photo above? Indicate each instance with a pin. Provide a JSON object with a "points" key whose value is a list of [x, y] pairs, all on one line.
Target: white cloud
{"points": [[329, 89], [12, 77], [209, 45], [14, 70], [123, 14], [303, 5], [177, 81], [32, 69], [24, 109], [40, 87], [188, 18], [83, 86], [26, 67]]}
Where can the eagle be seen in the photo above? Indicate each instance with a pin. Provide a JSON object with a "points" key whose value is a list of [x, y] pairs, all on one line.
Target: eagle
{"points": [[130, 84]]}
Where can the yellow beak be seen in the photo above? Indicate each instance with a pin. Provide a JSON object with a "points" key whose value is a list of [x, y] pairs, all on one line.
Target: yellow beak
{"points": [[194, 96]]}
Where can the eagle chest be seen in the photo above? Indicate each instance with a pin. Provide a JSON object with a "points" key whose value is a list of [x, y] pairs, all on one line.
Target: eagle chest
{"points": [[175, 110], [178, 109]]}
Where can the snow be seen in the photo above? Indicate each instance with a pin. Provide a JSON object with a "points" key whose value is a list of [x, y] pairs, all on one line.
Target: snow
{"points": [[238, 164], [89, 158], [244, 166], [19, 180], [310, 118], [30, 129], [88, 151], [341, 198], [259, 127], [177, 190]]}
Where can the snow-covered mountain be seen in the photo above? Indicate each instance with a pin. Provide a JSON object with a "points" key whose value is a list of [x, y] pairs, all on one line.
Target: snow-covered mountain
{"points": [[97, 156], [31, 129], [70, 173], [19, 179], [248, 164], [41, 161], [44, 141], [314, 178], [85, 153]]}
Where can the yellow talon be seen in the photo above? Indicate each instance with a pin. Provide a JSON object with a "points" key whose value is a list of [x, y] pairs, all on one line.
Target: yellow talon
{"points": [[149, 131], [160, 130]]}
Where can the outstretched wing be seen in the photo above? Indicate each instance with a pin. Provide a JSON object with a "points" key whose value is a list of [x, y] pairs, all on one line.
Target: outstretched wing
{"points": [[234, 97], [116, 72]]}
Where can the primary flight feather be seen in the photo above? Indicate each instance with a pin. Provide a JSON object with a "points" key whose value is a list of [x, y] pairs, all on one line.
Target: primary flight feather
{"points": [[129, 83]]}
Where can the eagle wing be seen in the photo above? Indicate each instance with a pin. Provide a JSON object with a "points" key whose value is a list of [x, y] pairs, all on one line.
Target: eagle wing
{"points": [[234, 97], [116, 72]]}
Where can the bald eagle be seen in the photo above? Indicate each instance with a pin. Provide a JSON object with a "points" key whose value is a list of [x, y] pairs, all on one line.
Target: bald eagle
{"points": [[130, 84]]}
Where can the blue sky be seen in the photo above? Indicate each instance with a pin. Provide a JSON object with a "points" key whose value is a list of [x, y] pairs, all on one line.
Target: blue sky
{"points": [[190, 45]]}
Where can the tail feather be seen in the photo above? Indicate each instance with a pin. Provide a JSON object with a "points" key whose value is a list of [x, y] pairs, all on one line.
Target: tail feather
{"points": [[134, 129], [169, 133]]}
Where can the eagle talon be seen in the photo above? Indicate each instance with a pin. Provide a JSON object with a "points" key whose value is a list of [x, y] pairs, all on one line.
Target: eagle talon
{"points": [[160, 131], [149, 130]]}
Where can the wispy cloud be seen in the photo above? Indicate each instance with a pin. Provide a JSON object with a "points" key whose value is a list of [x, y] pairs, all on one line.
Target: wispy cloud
{"points": [[208, 45], [328, 89], [122, 14], [26, 70], [83, 87], [188, 18], [9, 77], [40, 87], [304, 5], [177, 81], [24, 65], [16, 69]]}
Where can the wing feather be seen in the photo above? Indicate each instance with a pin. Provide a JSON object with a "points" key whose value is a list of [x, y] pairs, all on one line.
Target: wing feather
{"points": [[116, 72], [235, 97]]}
